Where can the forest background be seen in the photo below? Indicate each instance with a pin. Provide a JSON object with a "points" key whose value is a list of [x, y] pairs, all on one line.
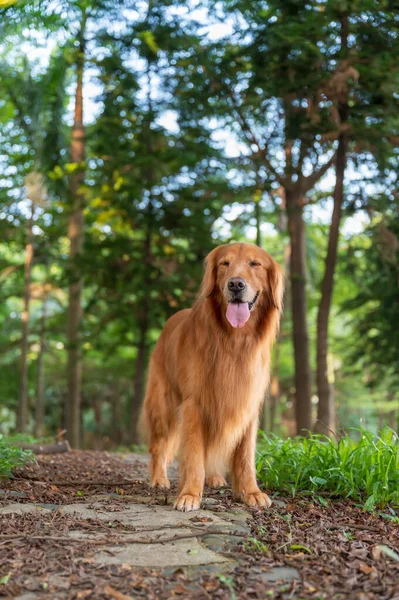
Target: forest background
{"points": [[137, 136]]}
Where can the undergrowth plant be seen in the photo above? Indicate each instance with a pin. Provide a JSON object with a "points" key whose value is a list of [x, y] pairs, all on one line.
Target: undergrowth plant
{"points": [[11, 458], [366, 469]]}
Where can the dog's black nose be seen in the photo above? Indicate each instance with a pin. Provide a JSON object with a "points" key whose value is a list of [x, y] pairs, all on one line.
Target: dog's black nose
{"points": [[236, 284]]}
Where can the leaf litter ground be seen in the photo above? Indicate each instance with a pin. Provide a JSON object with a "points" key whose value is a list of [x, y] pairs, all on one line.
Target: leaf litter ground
{"points": [[298, 549]]}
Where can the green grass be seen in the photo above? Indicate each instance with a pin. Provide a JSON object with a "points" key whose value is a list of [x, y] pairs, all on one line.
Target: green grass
{"points": [[26, 438], [366, 470], [11, 458]]}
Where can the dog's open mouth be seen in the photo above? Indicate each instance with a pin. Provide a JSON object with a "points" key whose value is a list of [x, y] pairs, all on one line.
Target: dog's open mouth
{"points": [[238, 312], [251, 304]]}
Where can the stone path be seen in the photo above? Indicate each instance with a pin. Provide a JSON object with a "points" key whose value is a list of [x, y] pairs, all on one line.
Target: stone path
{"points": [[155, 535], [86, 525], [165, 537]]}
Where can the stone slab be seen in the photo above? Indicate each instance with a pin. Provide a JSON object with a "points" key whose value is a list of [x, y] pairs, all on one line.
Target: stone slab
{"points": [[181, 553]]}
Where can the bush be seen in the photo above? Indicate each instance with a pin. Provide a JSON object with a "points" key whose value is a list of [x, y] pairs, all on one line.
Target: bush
{"points": [[11, 458], [366, 470]]}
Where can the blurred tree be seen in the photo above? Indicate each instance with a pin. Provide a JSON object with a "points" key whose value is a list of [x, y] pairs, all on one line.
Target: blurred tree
{"points": [[76, 240], [367, 114], [373, 263], [32, 109], [270, 87]]}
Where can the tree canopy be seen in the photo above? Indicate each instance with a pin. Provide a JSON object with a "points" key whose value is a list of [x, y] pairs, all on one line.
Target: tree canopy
{"points": [[135, 139]]}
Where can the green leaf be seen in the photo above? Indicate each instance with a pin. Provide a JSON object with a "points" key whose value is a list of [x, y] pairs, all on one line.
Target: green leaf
{"points": [[5, 579], [149, 39], [318, 480], [300, 547], [391, 553]]}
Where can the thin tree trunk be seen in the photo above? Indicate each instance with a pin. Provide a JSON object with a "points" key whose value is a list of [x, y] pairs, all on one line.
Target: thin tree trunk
{"points": [[326, 406], [23, 407], [75, 235], [98, 413], [138, 386], [296, 231], [274, 386], [275, 389], [143, 315], [40, 401], [116, 412], [269, 421]]}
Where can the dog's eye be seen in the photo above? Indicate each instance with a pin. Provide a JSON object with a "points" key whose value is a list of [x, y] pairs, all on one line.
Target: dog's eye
{"points": [[225, 263], [253, 263]]}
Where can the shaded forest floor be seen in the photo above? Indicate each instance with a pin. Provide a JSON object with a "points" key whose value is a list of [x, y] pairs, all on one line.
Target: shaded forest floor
{"points": [[86, 525]]}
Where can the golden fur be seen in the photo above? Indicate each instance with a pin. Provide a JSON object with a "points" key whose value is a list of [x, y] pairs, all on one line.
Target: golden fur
{"points": [[207, 380]]}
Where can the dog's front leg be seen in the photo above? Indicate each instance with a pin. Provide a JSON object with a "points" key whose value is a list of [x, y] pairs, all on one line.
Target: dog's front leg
{"points": [[243, 470], [191, 459]]}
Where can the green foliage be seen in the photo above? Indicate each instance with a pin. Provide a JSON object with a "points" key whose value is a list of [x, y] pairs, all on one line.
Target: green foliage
{"points": [[366, 469], [26, 438], [373, 263], [12, 458]]}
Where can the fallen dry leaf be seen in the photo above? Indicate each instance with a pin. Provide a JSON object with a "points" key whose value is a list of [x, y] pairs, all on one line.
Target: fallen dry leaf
{"points": [[83, 594], [180, 589], [376, 552], [115, 594], [366, 569]]}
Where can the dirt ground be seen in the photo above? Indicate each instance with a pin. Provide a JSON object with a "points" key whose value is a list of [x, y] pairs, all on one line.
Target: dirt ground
{"points": [[86, 525]]}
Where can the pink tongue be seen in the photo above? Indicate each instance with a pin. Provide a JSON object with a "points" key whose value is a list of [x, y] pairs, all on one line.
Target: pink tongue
{"points": [[237, 314]]}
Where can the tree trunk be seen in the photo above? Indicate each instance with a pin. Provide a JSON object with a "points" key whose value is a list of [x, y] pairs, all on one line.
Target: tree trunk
{"points": [[274, 387], [326, 406], [75, 235], [296, 231], [40, 402], [23, 407], [98, 413], [138, 385], [116, 413]]}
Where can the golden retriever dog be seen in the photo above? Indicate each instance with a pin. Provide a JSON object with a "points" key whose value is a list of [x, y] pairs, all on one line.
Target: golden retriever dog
{"points": [[208, 376]]}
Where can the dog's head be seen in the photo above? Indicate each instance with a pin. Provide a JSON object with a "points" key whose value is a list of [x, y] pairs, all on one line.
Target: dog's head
{"points": [[244, 279]]}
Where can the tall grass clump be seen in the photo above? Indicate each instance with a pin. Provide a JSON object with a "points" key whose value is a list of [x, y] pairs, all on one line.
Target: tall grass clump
{"points": [[11, 458], [366, 469]]}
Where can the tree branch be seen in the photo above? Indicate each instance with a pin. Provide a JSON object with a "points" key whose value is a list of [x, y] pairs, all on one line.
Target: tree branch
{"points": [[251, 136], [309, 182]]}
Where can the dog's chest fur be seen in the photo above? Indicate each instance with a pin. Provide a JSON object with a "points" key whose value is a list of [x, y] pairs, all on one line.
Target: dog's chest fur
{"points": [[230, 392]]}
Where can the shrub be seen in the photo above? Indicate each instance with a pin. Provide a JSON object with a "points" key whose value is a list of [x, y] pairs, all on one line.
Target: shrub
{"points": [[11, 458], [365, 470]]}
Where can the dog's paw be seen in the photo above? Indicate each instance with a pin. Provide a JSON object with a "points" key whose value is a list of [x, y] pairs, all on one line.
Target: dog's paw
{"points": [[187, 502], [257, 499], [162, 483], [216, 481]]}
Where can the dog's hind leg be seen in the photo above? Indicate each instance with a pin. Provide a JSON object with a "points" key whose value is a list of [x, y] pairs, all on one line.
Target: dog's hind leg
{"points": [[161, 423]]}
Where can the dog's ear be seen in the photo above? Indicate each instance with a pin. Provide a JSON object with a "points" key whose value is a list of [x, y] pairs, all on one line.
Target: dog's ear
{"points": [[209, 280], [276, 285]]}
